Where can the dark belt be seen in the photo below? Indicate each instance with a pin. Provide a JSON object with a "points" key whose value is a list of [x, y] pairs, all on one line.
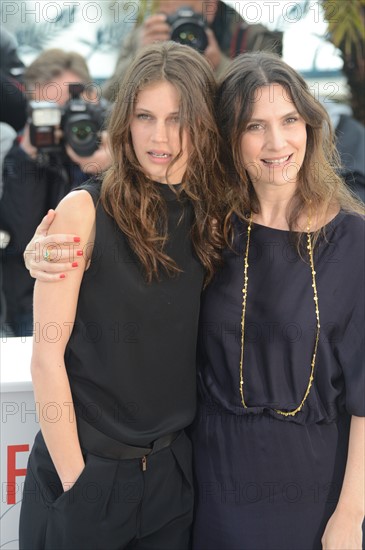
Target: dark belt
{"points": [[94, 441]]}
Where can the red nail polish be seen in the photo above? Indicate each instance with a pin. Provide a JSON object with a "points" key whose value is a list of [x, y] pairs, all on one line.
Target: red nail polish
{"points": [[79, 253], [75, 264], [77, 239], [62, 276]]}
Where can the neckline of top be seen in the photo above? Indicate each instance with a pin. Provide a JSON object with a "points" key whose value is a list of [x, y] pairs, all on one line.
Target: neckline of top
{"points": [[168, 185], [330, 225], [166, 191]]}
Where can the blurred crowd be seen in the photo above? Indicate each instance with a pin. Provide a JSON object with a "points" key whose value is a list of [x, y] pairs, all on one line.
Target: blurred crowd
{"points": [[53, 123]]}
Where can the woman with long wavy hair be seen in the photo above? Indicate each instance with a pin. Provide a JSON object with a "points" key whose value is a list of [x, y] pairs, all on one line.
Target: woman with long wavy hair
{"points": [[278, 440], [113, 469], [279, 437]]}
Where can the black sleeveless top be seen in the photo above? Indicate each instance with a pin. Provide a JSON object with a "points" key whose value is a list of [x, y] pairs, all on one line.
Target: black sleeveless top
{"points": [[131, 355]]}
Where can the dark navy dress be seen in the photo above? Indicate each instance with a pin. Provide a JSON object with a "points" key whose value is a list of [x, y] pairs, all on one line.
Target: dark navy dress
{"points": [[265, 481]]}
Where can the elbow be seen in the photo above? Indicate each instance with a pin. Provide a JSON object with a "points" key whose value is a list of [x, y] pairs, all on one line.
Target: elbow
{"points": [[37, 368], [43, 365]]}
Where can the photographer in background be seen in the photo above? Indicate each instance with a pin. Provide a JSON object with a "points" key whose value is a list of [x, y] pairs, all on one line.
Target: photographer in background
{"points": [[13, 116], [227, 35], [37, 178], [13, 104], [350, 143]]}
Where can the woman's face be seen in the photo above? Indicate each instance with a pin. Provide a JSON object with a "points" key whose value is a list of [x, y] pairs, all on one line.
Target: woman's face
{"points": [[155, 128], [273, 144]]}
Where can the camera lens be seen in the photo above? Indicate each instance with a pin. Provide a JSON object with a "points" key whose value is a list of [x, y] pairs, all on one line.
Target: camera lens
{"points": [[82, 123], [82, 132], [190, 34]]}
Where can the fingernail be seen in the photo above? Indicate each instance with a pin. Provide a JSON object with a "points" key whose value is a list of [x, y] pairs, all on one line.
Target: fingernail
{"points": [[75, 264], [62, 276], [77, 239], [79, 253]]}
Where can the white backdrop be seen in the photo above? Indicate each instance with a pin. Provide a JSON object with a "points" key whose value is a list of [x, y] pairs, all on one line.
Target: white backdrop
{"points": [[18, 428]]}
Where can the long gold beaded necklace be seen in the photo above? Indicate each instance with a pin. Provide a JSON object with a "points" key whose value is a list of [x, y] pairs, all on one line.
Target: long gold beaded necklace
{"points": [[244, 302]]}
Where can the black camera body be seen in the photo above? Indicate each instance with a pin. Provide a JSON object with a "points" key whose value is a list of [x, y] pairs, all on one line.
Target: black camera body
{"points": [[80, 121], [188, 27]]}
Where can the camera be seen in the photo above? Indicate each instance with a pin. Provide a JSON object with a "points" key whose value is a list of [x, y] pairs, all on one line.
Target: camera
{"points": [[188, 27], [81, 123]]}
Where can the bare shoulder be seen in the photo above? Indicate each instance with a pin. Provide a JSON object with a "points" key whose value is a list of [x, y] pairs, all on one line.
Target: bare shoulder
{"points": [[75, 214], [77, 203]]}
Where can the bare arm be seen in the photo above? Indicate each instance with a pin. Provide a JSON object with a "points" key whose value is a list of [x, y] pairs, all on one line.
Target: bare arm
{"points": [[344, 529], [65, 250], [54, 310]]}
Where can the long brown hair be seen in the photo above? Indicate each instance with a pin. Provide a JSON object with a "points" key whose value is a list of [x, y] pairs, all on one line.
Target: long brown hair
{"points": [[319, 182], [130, 197]]}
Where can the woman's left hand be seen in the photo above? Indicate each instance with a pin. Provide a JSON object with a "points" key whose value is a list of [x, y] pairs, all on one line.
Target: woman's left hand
{"points": [[343, 532]]}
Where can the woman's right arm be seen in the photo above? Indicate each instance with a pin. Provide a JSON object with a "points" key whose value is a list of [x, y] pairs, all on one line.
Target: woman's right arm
{"points": [[54, 314]]}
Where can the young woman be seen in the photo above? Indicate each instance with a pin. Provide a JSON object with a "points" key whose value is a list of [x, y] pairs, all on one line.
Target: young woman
{"points": [[278, 441], [114, 369]]}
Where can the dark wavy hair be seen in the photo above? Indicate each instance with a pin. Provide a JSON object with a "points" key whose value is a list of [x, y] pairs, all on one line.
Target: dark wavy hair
{"points": [[130, 197], [319, 182]]}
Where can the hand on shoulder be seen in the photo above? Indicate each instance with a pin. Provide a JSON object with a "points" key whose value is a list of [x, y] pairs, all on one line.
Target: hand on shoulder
{"points": [[76, 214], [62, 238]]}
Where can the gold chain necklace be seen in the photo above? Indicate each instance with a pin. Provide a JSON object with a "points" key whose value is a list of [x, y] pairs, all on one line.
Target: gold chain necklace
{"points": [[244, 302]]}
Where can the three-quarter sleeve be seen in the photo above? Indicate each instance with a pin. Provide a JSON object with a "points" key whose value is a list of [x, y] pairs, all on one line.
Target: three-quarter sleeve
{"points": [[351, 353]]}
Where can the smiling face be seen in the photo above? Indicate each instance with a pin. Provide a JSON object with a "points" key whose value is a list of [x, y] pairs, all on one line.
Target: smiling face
{"points": [[155, 132], [273, 144]]}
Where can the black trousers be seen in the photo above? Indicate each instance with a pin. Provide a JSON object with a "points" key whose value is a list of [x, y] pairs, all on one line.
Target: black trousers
{"points": [[113, 505]]}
